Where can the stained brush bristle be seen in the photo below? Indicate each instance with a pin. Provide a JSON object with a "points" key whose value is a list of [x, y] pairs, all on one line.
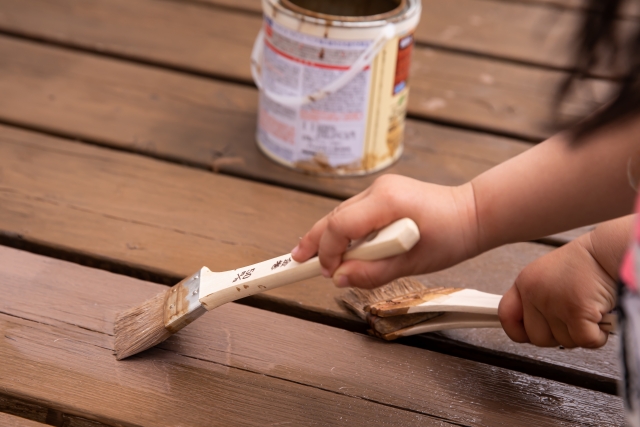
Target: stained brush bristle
{"points": [[357, 299], [141, 327]]}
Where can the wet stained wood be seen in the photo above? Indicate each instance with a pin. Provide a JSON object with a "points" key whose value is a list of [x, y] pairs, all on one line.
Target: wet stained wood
{"points": [[170, 220], [450, 87], [241, 364], [77, 373]]}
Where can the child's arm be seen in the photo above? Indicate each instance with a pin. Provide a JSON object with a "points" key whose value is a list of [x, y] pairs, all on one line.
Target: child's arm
{"points": [[557, 186], [560, 298], [552, 187]]}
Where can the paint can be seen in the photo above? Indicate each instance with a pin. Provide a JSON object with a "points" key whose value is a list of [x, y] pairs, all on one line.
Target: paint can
{"points": [[333, 87]]}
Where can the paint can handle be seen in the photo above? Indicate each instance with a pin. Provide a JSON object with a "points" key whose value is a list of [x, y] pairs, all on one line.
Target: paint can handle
{"points": [[387, 33]]}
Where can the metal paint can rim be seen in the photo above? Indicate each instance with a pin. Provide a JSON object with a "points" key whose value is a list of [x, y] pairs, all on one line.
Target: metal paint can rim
{"points": [[399, 14]]}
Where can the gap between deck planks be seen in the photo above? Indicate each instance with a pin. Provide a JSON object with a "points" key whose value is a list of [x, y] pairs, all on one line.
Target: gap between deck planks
{"points": [[201, 122], [171, 220], [7, 420], [239, 364], [453, 88]]}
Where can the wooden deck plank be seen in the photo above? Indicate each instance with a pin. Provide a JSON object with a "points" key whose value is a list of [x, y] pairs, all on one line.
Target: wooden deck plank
{"points": [[454, 88], [241, 364], [631, 9], [170, 220], [154, 112], [534, 32], [66, 362]]}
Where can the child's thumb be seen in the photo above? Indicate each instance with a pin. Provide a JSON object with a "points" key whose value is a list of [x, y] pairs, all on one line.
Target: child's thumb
{"points": [[511, 315]]}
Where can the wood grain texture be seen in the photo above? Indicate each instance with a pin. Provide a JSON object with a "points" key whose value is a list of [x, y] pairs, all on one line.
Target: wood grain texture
{"points": [[202, 122], [491, 95], [243, 365], [154, 112], [7, 420], [454, 88], [631, 9], [172, 220], [536, 32]]}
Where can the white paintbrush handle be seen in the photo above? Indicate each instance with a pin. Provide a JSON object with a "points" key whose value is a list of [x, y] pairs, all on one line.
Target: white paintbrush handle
{"points": [[465, 300], [453, 320], [219, 288]]}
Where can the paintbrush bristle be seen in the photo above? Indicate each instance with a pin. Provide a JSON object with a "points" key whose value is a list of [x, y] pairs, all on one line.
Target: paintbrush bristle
{"points": [[141, 327], [357, 299]]}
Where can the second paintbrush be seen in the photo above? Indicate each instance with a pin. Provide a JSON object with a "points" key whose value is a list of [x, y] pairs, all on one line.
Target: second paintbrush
{"points": [[144, 326]]}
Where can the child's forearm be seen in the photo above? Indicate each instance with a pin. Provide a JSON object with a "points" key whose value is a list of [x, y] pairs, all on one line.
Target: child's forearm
{"points": [[556, 186]]}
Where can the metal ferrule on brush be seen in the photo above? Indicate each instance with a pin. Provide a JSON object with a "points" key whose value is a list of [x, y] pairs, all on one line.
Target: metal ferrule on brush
{"points": [[182, 305]]}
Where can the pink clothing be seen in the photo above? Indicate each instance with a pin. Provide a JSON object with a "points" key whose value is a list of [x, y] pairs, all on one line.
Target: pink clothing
{"points": [[632, 257]]}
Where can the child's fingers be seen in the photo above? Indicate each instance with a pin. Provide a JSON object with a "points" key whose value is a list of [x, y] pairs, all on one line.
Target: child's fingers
{"points": [[371, 274], [561, 333], [537, 327], [308, 245], [511, 316], [350, 223], [587, 334]]}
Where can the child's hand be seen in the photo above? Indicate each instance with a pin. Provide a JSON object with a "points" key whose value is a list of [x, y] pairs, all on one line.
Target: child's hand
{"points": [[444, 215], [560, 298]]}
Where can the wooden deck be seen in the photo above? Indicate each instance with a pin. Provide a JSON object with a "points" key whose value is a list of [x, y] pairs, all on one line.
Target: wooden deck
{"points": [[128, 160]]}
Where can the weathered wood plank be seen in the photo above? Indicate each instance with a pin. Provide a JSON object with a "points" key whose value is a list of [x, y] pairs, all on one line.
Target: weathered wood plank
{"points": [[171, 220], [631, 9], [520, 31], [155, 112], [240, 364], [536, 32], [166, 389], [454, 88]]}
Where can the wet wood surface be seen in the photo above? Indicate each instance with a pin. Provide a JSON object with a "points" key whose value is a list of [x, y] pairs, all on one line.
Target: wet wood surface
{"points": [[241, 364], [171, 220], [454, 88]]}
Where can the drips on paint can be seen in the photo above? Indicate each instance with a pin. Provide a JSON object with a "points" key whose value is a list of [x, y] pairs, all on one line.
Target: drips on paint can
{"points": [[333, 82]]}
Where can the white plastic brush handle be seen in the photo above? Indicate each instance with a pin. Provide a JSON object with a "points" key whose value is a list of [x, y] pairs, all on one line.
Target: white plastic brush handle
{"points": [[219, 288]]}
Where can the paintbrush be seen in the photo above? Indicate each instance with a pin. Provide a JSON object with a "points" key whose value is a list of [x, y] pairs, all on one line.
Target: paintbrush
{"points": [[406, 307], [144, 326]]}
